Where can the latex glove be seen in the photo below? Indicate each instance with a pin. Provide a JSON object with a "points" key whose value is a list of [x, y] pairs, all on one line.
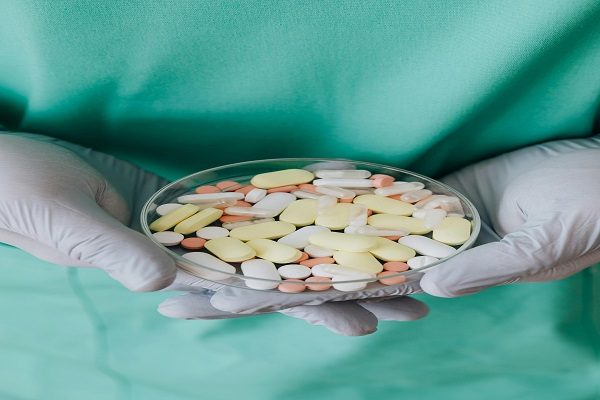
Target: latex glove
{"points": [[72, 206], [540, 208]]}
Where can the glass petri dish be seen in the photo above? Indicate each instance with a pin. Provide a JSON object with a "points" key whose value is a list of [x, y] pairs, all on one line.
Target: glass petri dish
{"points": [[244, 171]]}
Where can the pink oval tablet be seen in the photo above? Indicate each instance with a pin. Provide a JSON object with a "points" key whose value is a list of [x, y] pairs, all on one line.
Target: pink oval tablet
{"points": [[396, 266], [235, 218], [395, 197], [207, 189], [347, 200], [303, 257], [394, 280], [228, 186], [308, 187], [392, 238], [287, 189], [311, 262], [287, 287], [317, 283], [380, 180], [192, 243], [245, 189]]}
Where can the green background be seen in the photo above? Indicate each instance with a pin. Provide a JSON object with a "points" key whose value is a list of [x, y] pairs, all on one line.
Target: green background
{"points": [[178, 86]]}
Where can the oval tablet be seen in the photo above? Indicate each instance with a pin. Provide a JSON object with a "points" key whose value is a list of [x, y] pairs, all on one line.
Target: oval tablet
{"points": [[399, 222], [360, 261], [273, 251], [427, 247], [343, 241], [453, 231], [347, 287], [317, 251], [299, 239], [385, 205], [337, 216], [261, 269], [230, 249], [387, 250], [168, 238], [292, 286], [318, 283], [210, 267], [276, 202], [197, 221], [192, 243], [164, 209], [212, 232], [265, 230], [300, 212], [390, 278], [284, 177], [421, 261], [209, 197], [294, 271], [174, 217]]}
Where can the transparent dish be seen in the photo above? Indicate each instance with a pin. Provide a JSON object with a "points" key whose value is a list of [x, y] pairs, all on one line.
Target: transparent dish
{"points": [[243, 173]]}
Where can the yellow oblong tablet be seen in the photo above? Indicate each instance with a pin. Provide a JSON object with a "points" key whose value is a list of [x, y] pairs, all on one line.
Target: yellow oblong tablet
{"points": [[284, 177], [452, 231], [337, 216], [343, 241], [361, 261], [382, 204], [230, 249], [388, 250], [198, 221], [300, 212], [274, 252], [174, 217], [264, 230], [398, 222]]}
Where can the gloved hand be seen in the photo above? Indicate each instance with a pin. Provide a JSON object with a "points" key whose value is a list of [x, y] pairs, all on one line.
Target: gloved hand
{"points": [[539, 199], [72, 206]]}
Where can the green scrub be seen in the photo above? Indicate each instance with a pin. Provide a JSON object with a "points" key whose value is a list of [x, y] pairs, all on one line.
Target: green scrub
{"points": [[179, 86]]}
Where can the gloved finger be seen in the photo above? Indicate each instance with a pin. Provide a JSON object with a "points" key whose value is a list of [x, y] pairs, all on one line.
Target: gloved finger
{"points": [[193, 306], [397, 309], [185, 282], [251, 301], [344, 318]]}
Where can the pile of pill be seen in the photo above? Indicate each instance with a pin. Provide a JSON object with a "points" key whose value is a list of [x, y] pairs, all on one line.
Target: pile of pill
{"points": [[319, 227]]}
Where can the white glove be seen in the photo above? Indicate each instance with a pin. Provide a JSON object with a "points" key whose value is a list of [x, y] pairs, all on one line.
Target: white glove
{"points": [[72, 206]]}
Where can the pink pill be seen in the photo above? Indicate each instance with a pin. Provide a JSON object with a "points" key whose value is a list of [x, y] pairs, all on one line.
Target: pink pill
{"points": [[193, 243], [346, 200], [396, 266], [393, 280], [287, 189], [311, 262], [287, 287], [245, 189], [308, 187], [318, 283], [393, 238], [303, 257], [380, 180], [228, 186], [235, 218], [207, 189]]}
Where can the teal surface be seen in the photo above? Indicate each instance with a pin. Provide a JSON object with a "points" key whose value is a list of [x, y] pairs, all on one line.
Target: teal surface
{"points": [[177, 86]]}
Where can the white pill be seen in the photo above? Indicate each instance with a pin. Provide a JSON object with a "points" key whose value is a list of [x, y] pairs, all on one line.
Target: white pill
{"points": [[331, 270], [399, 188], [276, 202], [372, 231], [347, 287], [415, 195], [251, 212], [212, 232], [233, 225], [209, 197], [261, 269], [294, 271], [344, 183], [426, 246], [421, 261], [336, 192], [167, 208], [325, 202], [209, 267], [327, 165], [168, 238], [358, 215], [255, 195], [299, 238], [343, 173], [302, 194], [317, 251]]}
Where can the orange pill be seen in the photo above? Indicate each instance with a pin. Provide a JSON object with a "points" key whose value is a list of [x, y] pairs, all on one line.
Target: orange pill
{"points": [[245, 189], [287, 287], [235, 218], [381, 180], [303, 257], [193, 243], [347, 200], [207, 189], [392, 238], [395, 197], [317, 283], [396, 266], [311, 262], [241, 203], [392, 280], [228, 186], [287, 189], [308, 187], [369, 213]]}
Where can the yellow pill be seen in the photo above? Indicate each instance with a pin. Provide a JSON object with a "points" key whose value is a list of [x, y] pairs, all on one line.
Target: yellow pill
{"points": [[415, 226], [274, 252], [265, 230], [300, 212], [358, 261], [174, 217], [230, 249], [388, 250], [343, 241], [452, 231], [282, 178], [382, 204], [337, 216], [198, 221]]}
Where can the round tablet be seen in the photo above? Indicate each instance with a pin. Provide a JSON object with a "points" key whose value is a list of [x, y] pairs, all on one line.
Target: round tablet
{"points": [[192, 243], [294, 271], [318, 283], [167, 208], [287, 287], [168, 238], [393, 280], [396, 266], [212, 232]]}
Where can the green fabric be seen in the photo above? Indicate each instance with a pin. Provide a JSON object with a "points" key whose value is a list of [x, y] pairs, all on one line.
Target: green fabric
{"points": [[178, 86]]}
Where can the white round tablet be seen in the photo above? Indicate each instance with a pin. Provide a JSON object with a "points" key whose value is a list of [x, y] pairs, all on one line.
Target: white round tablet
{"points": [[167, 208], [212, 232], [168, 238], [294, 271]]}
